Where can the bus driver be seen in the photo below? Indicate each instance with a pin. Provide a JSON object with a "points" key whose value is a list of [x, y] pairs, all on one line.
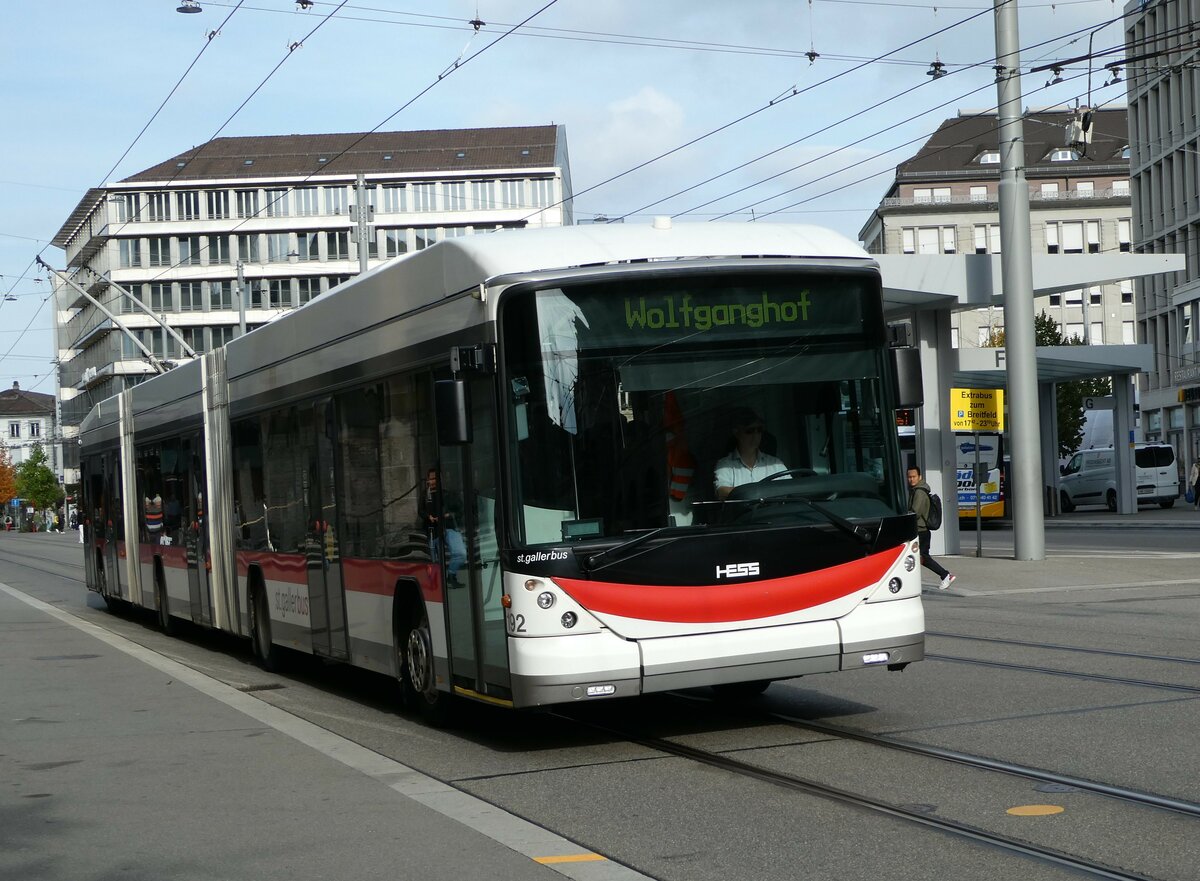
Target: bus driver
{"points": [[746, 463]]}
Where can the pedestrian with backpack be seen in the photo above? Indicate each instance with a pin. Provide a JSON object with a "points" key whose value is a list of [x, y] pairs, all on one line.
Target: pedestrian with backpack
{"points": [[928, 508]]}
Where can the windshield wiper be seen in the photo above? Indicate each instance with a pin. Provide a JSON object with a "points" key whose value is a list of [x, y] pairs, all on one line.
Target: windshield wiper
{"points": [[593, 561], [859, 533]]}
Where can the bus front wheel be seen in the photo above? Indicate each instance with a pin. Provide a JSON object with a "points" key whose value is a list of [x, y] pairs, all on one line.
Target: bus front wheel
{"points": [[414, 661]]}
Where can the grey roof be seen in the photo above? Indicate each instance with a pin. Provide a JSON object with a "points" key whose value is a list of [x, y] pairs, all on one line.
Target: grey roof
{"points": [[954, 148], [17, 402], [360, 152]]}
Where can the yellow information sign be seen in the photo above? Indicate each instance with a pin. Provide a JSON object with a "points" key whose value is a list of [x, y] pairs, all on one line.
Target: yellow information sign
{"points": [[976, 409]]}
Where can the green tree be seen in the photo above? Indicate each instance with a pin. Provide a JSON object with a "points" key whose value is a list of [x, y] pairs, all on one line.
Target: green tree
{"points": [[1070, 394], [36, 482]]}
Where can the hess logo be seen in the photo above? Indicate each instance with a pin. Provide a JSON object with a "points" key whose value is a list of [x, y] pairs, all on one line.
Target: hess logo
{"points": [[737, 570]]}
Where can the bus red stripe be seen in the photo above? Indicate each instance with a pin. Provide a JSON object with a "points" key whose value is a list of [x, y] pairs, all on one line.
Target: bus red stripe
{"points": [[743, 601]]}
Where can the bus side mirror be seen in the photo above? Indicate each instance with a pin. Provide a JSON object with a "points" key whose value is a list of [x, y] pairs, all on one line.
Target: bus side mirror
{"points": [[906, 372], [452, 412]]}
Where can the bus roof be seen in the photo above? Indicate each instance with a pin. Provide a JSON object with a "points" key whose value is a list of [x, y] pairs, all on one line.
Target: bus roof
{"points": [[469, 260]]}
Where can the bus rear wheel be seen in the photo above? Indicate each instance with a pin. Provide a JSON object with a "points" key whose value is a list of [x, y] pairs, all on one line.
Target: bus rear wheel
{"points": [[414, 661], [268, 655], [165, 622]]}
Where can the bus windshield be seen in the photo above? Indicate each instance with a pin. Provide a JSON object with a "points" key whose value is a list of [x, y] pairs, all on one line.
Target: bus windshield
{"points": [[643, 403]]}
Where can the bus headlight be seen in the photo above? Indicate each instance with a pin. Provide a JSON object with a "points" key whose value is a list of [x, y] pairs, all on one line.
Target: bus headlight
{"points": [[910, 563], [545, 599]]}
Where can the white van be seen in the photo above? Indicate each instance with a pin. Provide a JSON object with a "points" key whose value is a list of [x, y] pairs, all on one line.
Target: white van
{"points": [[1090, 478]]}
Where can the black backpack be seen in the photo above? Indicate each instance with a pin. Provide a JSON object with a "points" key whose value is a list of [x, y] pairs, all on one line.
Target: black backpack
{"points": [[934, 519]]}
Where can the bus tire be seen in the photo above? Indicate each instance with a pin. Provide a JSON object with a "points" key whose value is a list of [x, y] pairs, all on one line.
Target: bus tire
{"points": [[737, 691], [268, 655], [165, 622], [414, 661]]}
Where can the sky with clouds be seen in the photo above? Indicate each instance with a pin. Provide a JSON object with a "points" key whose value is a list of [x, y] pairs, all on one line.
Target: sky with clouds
{"points": [[748, 128]]}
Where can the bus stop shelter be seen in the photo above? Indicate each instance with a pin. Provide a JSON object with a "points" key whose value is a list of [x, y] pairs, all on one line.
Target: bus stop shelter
{"points": [[924, 290]]}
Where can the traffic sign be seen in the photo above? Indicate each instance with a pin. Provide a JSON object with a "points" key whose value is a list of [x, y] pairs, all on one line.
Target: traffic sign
{"points": [[976, 409]]}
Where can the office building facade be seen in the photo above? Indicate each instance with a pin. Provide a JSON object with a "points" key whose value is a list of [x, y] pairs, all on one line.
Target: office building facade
{"points": [[238, 231]]}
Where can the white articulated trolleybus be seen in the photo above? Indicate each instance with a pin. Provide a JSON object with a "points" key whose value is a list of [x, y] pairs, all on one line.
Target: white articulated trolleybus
{"points": [[486, 468]]}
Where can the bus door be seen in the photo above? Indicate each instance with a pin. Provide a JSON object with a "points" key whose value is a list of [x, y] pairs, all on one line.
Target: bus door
{"points": [[469, 552], [326, 599], [195, 527], [111, 526]]}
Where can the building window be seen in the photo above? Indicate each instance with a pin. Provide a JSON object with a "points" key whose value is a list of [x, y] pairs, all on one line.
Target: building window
{"points": [[484, 194], [543, 193], [1120, 187], [1127, 291], [277, 203], [456, 195], [1097, 331], [191, 297], [989, 157], [221, 335], [277, 247], [160, 251], [987, 238], [159, 206], [1063, 156], [279, 291], [220, 295], [189, 250], [248, 248], [194, 337], [920, 194], [308, 245], [14, 429], [160, 297], [1093, 237], [308, 202], [218, 249], [425, 237], [1128, 335], [512, 193], [395, 199], [339, 245], [424, 197], [247, 203], [129, 207], [1123, 235], [1085, 189], [131, 252], [1050, 191], [395, 242], [979, 194], [218, 204], [256, 294], [187, 205], [1073, 331], [1074, 298], [1095, 296], [337, 201], [1056, 299], [35, 429], [309, 288]]}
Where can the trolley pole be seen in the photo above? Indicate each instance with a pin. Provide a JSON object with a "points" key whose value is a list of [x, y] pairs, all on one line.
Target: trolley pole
{"points": [[1016, 268]]}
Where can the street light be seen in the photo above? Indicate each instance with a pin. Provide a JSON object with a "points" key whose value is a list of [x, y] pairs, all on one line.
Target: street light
{"points": [[189, 7]]}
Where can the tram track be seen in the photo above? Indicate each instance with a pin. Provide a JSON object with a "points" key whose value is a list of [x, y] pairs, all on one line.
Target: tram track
{"points": [[909, 813], [1049, 646], [22, 559], [1071, 674]]}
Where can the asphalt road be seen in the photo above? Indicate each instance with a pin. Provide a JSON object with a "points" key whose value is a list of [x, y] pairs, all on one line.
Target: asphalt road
{"points": [[115, 768]]}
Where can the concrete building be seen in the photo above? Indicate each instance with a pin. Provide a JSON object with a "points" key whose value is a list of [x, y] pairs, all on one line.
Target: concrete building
{"points": [[240, 230], [1164, 119], [944, 200], [28, 419]]}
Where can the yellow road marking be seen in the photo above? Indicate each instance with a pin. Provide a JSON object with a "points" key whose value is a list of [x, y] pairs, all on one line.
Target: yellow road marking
{"points": [[1035, 810]]}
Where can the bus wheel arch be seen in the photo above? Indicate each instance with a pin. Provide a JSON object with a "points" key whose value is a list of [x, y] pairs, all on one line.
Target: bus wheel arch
{"points": [[412, 643]]}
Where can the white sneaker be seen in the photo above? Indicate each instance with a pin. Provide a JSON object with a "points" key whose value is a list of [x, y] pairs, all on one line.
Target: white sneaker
{"points": [[946, 582]]}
